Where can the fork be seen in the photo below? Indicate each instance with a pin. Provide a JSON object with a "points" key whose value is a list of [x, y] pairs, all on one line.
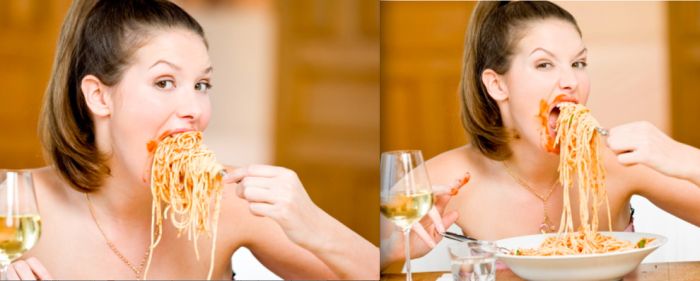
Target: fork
{"points": [[462, 238], [602, 131]]}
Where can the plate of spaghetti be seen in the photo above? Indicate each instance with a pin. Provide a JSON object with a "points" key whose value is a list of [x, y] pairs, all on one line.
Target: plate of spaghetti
{"points": [[585, 253], [615, 258]]}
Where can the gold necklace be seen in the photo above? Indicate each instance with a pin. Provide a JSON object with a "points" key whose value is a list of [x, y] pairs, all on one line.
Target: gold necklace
{"points": [[137, 270], [547, 225]]}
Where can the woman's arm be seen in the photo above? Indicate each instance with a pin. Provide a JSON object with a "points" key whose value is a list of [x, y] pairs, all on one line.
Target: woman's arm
{"points": [[669, 174], [676, 196], [312, 241], [643, 143]]}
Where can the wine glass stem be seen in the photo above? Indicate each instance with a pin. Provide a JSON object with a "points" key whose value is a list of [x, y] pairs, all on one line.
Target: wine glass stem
{"points": [[407, 239], [3, 270]]}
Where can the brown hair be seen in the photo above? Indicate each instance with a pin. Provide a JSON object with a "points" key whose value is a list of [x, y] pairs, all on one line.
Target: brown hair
{"points": [[97, 38], [494, 29]]}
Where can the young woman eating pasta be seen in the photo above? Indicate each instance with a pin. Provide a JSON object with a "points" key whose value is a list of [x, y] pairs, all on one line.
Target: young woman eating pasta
{"points": [[132, 193], [522, 60]]}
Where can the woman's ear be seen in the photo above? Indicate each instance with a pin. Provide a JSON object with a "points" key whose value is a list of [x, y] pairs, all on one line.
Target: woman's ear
{"points": [[495, 85], [96, 96]]}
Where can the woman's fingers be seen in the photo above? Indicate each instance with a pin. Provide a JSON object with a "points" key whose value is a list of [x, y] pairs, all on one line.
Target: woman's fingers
{"points": [[437, 220], [262, 210], [38, 269], [23, 270], [423, 235], [443, 196], [458, 183], [268, 171], [12, 273], [628, 158], [260, 189], [449, 218], [619, 141], [233, 175], [256, 194]]}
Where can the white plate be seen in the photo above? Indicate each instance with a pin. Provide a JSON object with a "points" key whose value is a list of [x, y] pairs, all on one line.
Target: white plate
{"points": [[608, 266]]}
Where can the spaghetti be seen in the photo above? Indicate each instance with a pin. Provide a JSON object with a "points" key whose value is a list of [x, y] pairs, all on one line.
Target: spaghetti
{"points": [[580, 165], [185, 177]]}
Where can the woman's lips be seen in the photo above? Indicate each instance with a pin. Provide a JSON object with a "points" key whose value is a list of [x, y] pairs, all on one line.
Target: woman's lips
{"points": [[168, 133], [153, 144]]}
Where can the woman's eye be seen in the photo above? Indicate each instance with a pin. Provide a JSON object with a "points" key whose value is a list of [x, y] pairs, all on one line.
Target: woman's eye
{"points": [[202, 87], [165, 84], [580, 64], [544, 65]]}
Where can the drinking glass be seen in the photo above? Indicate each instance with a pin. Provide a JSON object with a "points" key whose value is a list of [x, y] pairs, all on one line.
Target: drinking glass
{"points": [[20, 226], [405, 192], [473, 261]]}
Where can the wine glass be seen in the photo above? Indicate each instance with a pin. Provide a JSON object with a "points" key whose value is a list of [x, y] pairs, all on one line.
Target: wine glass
{"points": [[20, 226], [405, 195]]}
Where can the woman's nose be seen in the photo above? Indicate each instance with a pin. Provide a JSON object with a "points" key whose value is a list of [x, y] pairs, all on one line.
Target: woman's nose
{"points": [[568, 80], [189, 106]]}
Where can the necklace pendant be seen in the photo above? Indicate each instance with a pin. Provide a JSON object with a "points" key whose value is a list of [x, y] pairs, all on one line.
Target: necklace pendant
{"points": [[546, 227]]}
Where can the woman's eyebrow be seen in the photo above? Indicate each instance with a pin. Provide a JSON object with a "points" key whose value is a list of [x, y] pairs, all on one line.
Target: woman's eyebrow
{"points": [[542, 49], [208, 70], [552, 54], [176, 67]]}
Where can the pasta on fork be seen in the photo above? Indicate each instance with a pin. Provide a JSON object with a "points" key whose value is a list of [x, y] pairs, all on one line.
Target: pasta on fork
{"points": [[186, 185]]}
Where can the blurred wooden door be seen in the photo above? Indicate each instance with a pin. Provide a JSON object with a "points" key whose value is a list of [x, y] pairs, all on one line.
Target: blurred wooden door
{"points": [[29, 30], [684, 40], [328, 105], [421, 56]]}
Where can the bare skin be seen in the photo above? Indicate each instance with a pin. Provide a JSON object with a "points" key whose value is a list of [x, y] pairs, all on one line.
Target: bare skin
{"points": [[70, 237]]}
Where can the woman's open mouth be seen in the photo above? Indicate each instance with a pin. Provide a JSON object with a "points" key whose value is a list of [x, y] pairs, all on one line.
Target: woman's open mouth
{"points": [[549, 114], [552, 121]]}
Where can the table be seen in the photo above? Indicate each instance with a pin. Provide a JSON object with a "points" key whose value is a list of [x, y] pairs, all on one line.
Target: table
{"points": [[670, 271]]}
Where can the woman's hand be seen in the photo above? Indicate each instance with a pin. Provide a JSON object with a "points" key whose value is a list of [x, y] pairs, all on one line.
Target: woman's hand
{"points": [[643, 143], [277, 193], [29, 269], [428, 232]]}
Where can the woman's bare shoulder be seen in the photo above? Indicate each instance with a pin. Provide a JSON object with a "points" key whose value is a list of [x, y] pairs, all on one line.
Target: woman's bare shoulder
{"points": [[624, 178], [241, 227], [452, 164], [49, 184]]}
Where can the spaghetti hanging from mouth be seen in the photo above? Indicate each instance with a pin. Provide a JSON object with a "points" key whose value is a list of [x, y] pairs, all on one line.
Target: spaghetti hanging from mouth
{"points": [[185, 182], [580, 166]]}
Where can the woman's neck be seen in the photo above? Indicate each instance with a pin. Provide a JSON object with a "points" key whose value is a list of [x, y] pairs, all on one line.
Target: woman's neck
{"points": [[532, 164], [122, 199]]}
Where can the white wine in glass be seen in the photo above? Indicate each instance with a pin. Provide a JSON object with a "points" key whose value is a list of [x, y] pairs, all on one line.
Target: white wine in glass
{"points": [[405, 195], [20, 226]]}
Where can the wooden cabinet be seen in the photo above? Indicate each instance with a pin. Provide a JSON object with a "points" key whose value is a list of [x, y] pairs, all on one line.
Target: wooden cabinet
{"points": [[28, 31], [684, 46], [327, 125], [421, 60]]}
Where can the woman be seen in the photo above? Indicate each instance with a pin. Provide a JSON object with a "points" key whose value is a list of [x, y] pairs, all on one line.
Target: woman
{"points": [[125, 73], [518, 54]]}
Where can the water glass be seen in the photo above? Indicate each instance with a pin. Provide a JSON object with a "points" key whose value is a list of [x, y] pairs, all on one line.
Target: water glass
{"points": [[473, 261]]}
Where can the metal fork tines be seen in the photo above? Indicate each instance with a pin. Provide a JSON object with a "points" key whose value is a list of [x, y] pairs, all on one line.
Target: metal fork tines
{"points": [[602, 131], [462, 238], [457, 237]]}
